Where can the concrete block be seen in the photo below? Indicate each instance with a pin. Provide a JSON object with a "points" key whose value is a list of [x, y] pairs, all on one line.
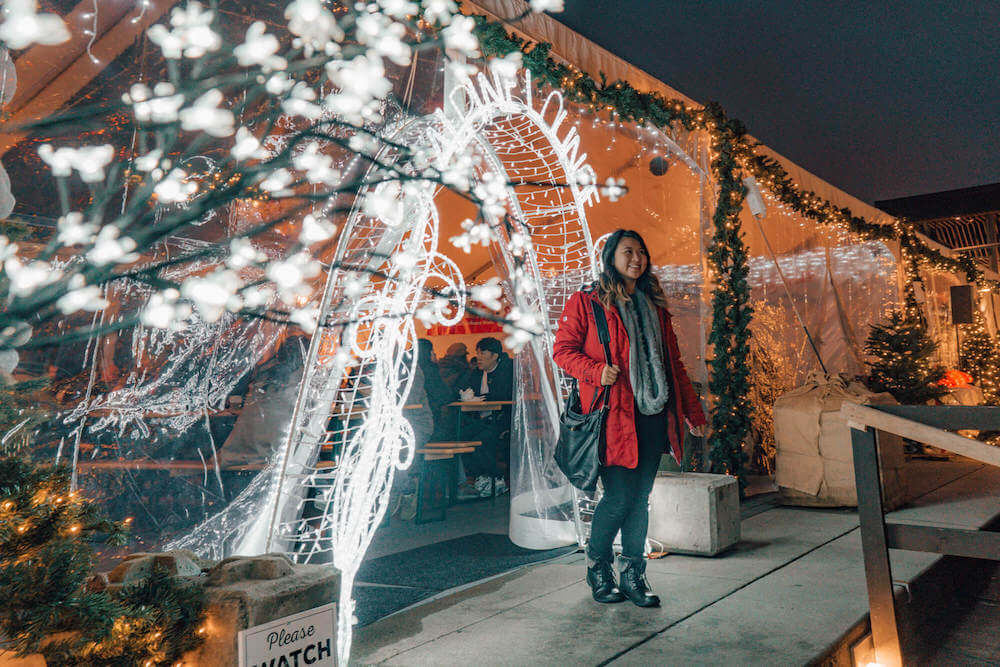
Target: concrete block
{"points": [[137, 566], [244, 592], [695, 513]]}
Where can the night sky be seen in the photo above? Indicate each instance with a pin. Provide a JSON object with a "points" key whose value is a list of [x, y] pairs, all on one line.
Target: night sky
{"points": [[882, 99]]}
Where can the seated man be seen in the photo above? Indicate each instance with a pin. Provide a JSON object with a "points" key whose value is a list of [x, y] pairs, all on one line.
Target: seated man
{"points": [[493, 380]]}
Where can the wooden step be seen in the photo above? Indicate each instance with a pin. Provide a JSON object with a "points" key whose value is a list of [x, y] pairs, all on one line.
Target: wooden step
{"points": [[451, 444]]}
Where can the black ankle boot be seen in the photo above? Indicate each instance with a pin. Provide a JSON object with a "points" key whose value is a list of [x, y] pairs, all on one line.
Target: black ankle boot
{"points": [[634, 585], [601, 577]]}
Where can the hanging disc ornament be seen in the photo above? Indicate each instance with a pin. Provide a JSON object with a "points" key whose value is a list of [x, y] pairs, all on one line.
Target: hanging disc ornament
{"points": [[659, 165]]}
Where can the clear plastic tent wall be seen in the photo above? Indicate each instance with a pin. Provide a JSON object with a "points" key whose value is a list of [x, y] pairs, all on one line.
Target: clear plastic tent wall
{"points": [[174, 428], [180, 429], [826, 282]]}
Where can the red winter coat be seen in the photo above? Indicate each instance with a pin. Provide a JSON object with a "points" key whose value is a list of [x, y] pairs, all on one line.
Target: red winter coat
{"points": [[578, 352]]}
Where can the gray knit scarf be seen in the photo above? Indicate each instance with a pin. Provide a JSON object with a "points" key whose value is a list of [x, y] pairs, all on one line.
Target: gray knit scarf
{"points": [[647, 369]]}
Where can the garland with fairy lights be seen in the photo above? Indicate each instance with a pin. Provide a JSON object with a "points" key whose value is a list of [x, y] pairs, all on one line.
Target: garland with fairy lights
{"points": [[736, 155], [46, 556]]}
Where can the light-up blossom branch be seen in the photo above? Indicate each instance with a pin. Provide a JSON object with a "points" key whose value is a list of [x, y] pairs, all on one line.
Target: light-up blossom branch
{"points": [[317, 97]]}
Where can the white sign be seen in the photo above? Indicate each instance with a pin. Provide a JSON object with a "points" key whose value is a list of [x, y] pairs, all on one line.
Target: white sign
{"points": [[298, 640]]}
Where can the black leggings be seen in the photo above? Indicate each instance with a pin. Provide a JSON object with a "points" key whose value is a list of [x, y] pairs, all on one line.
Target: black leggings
{"points": [[625, 503]]}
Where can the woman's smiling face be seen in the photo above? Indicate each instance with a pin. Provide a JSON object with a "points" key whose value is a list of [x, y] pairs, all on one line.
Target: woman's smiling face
{"points": [[630, 259]]}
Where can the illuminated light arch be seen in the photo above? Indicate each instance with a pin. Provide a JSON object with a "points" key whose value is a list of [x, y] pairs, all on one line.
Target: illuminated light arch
{"points": [[308, 510]]}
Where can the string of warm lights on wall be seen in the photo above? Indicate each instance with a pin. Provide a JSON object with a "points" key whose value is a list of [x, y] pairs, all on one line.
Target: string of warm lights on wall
{"points": [[733, 157]]}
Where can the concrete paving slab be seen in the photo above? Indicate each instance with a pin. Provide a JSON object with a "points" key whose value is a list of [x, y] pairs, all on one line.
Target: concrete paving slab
{"points": [[744, 631], [550, 604], [769, 540], [403, 631], [783, 596], [567, 627]]}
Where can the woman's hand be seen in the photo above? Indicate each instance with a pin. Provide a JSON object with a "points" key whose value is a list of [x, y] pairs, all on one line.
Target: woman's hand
{"points": [[609, 375]]}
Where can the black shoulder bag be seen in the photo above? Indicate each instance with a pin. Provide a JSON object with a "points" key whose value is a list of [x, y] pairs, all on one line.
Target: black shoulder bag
{"points": [[581, 436]]}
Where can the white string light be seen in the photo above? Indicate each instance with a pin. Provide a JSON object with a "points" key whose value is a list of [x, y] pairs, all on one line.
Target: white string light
{"points": [[92, 32]]}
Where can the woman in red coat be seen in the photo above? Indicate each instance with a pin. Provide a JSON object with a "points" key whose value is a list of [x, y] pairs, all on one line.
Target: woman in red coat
{"points": [[650, 399]]}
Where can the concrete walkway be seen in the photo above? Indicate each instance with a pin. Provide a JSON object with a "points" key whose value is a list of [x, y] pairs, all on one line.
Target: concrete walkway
{"points": [[791, 589]]}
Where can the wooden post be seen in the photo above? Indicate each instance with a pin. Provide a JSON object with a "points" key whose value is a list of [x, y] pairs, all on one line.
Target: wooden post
{"points": [[878, 572]]}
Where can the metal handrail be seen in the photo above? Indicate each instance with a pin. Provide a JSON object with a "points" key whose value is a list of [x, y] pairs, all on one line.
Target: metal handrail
{"points": [[924, 424]]}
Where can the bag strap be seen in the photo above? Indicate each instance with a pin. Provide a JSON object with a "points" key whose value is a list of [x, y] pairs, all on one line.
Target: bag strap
{"points": [[603, 335]]}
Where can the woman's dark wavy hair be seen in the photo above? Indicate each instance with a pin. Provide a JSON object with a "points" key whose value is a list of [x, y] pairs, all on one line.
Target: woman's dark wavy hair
{"points": [[610, 286]]}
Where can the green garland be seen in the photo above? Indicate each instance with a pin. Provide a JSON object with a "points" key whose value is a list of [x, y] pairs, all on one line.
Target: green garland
{"points": [[621, 99], [736, 154], [45, 559], [731, 314]]}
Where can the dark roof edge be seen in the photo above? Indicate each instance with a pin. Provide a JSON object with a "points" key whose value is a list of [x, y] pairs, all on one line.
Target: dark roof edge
{"points": [[964, 201]]}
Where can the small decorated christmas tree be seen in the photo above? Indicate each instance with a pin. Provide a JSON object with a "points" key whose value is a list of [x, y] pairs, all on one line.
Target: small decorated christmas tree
{"points": [[46, 556], [903, 360], [980, 358]]}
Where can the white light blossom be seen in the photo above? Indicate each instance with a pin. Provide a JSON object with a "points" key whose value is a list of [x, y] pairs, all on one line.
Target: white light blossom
{"points": [[461, 70], [613, 188], [277, 182], [582, 177], [110, 248], [7, 249], [242, 254], [439, 11], [247, 146], [508, 66], [458, 173], [431, 313], [260, 48], [86, 298], [192, 35], [60, 161], [278, 83], [257, 296], [317, 167], [399, 9], [316, 229], [488, 294], [475, 233], [539, 6], [427, 316], [361, 81], [159, 105], [404, 262], [492, 191], [385, 203], [315, 26], [25, 278], [459, 36], [164, 311], [213, 293], [355, 286], [385, 36], [300, 102], [89, 161], [290, 275], [23, 26], [149, 161], [306, 318], [519, 244], [206, 116], [521, 329], [74, 231], [175, 187]]}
